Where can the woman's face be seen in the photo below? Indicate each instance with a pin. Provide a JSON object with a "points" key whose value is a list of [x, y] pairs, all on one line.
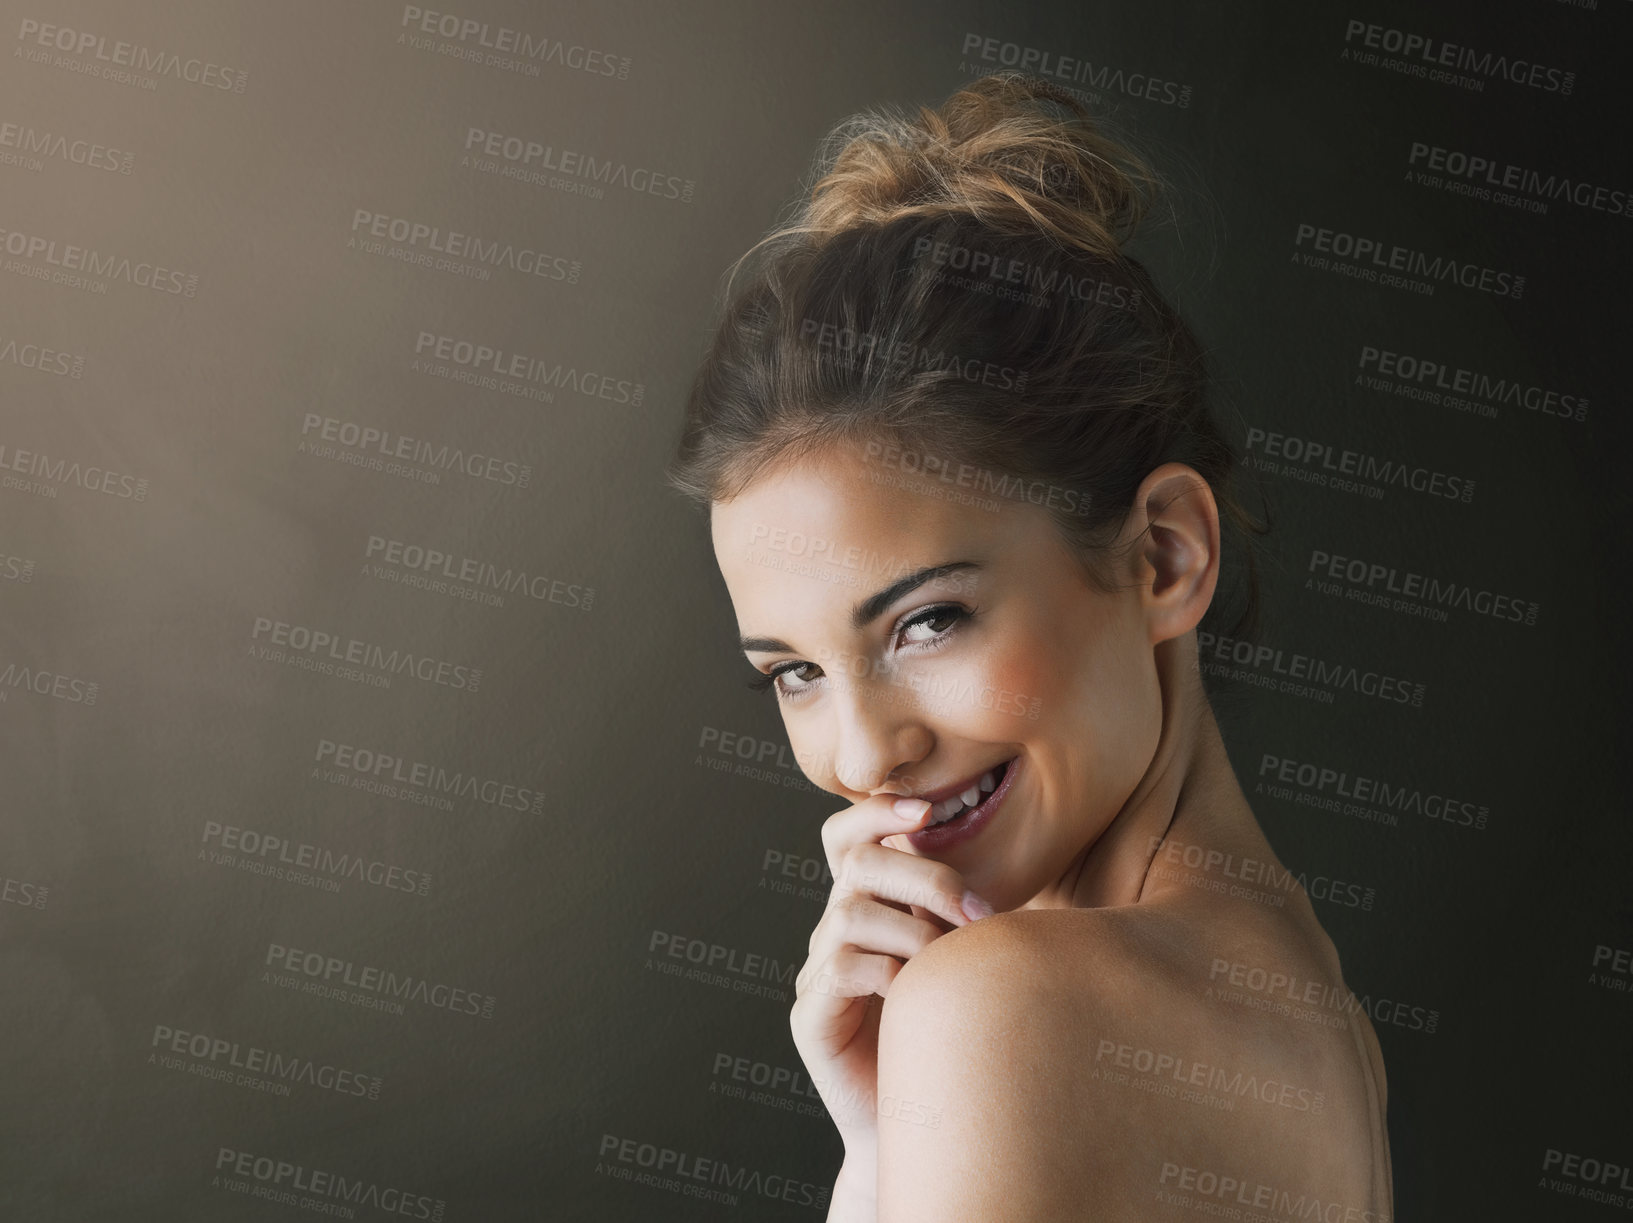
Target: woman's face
{"points": [[1012, 656]]}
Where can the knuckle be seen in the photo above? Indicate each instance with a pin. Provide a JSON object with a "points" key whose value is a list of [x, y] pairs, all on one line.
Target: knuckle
{"points": [[818, 984], [863, 870], [843, 915], [854, 873], [809, 975], [948, 885], [829, 842], [832, 926]]}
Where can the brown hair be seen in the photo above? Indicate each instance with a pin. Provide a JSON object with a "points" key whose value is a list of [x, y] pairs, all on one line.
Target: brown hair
{"points": [[1105, 381]]}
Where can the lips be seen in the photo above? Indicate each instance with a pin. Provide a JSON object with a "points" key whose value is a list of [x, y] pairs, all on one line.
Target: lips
{"points": [[961, 798], [943, 793], [963, 824]]}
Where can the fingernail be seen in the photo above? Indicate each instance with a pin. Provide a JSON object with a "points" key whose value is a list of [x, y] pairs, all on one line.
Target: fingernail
{"points": [[974, 907], [910, 808]]}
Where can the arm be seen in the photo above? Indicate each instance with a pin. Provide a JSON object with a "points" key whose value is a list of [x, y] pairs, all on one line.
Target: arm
{"points": [[981, 1114]]}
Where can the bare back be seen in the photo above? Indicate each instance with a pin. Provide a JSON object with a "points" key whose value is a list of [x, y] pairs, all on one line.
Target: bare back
{"points": [[1213, 1052], [1194, 1053]]}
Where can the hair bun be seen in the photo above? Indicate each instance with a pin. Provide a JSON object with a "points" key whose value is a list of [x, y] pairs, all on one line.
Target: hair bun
{"points": [[1019, 153]]}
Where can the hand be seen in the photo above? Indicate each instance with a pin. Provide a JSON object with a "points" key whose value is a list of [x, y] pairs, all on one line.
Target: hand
{"points": [[886, 906]]}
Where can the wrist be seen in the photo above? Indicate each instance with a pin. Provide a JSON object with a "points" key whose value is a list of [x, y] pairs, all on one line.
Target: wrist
{"points": [[856, 1190]]}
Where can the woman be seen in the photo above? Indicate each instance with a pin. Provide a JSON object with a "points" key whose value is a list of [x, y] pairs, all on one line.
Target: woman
{"points": [[966, 495]]}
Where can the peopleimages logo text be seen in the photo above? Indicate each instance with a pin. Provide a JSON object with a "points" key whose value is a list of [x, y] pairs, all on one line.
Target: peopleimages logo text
{"points": [[1096, 75], [1442, 54], [1397, 258], [341, 648], [334, 971], [281, 1181], [505, 40], [135, 56]]}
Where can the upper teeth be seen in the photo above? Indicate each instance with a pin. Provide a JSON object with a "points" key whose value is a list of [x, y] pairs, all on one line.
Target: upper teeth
{"points": [[941, 812]]}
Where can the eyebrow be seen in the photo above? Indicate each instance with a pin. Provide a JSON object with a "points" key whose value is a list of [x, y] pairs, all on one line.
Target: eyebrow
{"points": [[870, 608]]}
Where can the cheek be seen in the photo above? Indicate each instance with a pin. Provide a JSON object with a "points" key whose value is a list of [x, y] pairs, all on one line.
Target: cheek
{"points": [[1078, 687], [1022, 694], [1053, 676], [1027, 692]]}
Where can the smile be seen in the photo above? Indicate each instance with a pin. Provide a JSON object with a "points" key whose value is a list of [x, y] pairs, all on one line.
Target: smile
{"points": [[968, 797], [960, 814]]}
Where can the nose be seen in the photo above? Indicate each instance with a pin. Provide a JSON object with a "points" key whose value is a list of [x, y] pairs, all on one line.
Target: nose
{"points": [[876, 739]]}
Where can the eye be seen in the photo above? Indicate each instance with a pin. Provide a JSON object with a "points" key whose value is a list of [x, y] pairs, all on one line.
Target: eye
{"points": [[771, 678], [932, 627], [950, 613]]}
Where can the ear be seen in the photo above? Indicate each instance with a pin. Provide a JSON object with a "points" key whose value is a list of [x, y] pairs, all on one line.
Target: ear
{"points": [[1176, 560]]}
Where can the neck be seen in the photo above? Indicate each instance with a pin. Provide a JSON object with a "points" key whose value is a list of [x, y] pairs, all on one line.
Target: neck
{"points": [[1190, 794]]}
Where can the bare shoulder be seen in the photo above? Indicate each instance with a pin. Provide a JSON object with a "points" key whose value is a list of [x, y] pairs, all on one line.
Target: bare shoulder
{"points": [[1182, 1051]]}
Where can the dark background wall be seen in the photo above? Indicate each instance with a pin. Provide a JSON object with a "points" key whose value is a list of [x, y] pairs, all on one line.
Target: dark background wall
{"points": [[536, 801]]}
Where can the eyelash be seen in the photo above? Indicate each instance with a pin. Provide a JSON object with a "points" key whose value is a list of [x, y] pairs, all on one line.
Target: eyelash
{"points": [[959, 614]]}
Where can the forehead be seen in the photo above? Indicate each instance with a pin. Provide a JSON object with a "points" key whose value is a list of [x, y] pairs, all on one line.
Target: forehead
{"points": [[848, 489], [820, 534]]}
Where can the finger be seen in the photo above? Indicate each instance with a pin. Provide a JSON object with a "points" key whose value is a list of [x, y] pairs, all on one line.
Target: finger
{"points": [[936, 919], [870, 820], [889, 874], [860, 921], [826, 989]]}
